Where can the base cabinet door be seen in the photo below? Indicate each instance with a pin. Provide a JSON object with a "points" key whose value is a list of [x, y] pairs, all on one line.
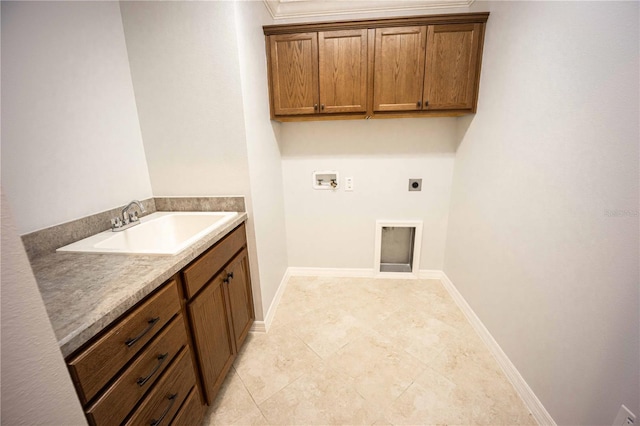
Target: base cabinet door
{"points": [[211, 328], [240, 297]]}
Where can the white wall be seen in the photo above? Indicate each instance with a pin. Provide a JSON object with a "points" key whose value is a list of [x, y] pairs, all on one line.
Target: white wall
{"points": [[337, 229], [70, 135], [263, 152], [553, 147], [185, 67], [185, 71], [36, 387]]}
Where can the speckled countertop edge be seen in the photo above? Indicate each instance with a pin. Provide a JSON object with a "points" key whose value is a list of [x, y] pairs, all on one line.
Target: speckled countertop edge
{"points": [[83, 293]]}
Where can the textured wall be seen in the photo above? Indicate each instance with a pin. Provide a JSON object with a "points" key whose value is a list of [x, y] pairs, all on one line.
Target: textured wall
{"points": [[70, 135], [263, 152], [37, 389], [543, 230]]}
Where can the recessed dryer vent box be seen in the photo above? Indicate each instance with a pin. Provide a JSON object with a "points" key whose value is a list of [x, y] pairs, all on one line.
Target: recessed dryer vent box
{"points": [[397, 250], [325, 180]]}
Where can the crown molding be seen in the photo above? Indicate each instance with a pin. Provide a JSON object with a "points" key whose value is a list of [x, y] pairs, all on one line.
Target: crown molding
{"points": [[288, 9]]}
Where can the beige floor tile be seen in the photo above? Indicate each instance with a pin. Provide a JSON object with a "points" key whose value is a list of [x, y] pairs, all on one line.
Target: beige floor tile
{"points": [[270, 361], [253, 418], [479, 379], [328, 330], [321, 397], [381, 371], [232, 403], [367, 351], [418, 333], [382, 422], [432, 400]]}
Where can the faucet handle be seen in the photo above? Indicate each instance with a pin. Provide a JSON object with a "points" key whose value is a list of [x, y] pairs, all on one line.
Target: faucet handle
{"points": [[116, 223]]}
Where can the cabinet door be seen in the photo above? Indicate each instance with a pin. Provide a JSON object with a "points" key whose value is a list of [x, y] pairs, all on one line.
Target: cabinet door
{"points": [[343, 70], [399, 68], [211, 329], [240, 297], [451, 71], [294, 73]]}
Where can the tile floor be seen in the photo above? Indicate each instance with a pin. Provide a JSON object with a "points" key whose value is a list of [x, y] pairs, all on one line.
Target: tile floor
{"points": [[367, 351]]}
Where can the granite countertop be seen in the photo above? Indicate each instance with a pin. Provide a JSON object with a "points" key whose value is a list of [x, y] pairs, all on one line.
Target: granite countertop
{"points": [[83, 293]]}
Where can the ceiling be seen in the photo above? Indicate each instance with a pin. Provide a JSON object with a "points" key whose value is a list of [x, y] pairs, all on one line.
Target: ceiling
{"points": [[286, 9]]}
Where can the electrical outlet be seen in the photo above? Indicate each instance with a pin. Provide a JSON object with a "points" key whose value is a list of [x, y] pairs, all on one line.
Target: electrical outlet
{"points": [[348, 184], [624, 417]]}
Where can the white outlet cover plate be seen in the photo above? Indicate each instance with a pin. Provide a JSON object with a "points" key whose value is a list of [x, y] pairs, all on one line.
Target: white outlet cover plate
{"points": [[348, 184], [623, 415]]}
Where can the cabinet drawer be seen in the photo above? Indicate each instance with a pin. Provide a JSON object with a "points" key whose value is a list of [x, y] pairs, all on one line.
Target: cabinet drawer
{"points": [[192, 411], [96, 365], [118, 400], [161, 405], [203, 269]]}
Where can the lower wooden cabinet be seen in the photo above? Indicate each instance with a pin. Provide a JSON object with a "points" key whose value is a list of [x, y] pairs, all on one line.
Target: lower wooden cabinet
{"points": [[118, 400], [221, 315], [212, 334], [240, 297], [159, 362], [92, 367], [192, 410], [163, 402]]}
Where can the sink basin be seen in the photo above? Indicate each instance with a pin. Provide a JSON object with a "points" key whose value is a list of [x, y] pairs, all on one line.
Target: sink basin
{"points": [[161, 233]]}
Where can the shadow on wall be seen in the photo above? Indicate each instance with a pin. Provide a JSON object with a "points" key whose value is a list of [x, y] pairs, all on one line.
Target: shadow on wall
{"points": [[371, 138], [464, 123]]}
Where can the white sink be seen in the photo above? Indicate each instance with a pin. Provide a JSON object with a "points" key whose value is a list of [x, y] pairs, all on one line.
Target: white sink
{"points": [[161, 233]]}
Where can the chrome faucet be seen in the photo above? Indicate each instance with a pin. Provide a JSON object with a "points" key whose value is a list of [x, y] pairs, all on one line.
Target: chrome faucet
{"points": [[128, 219]]}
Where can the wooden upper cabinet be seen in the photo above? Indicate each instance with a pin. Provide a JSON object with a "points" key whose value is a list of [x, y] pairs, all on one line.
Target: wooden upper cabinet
{"points": [[399, 68], [294, 73], [414, 66], [451, 71], [343, 71]]}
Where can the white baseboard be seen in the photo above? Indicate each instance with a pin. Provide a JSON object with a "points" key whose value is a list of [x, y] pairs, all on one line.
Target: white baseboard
{"points": [[540, 414], [258, 327], [430, 274], [263, 326], [425, 274], [332, 272]]}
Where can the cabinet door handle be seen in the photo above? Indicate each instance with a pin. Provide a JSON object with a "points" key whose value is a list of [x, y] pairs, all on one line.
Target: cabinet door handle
{"points": [[426, 104], [322, 107], [142, 380], [129, 342], [419, 103], [315, 107], [228, 278], [171, 398], [230, 275]]}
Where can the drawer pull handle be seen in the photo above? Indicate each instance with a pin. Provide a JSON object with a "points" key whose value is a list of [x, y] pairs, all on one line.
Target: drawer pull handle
{"points": [[171, 398], [133, 340], [161, 358]]}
